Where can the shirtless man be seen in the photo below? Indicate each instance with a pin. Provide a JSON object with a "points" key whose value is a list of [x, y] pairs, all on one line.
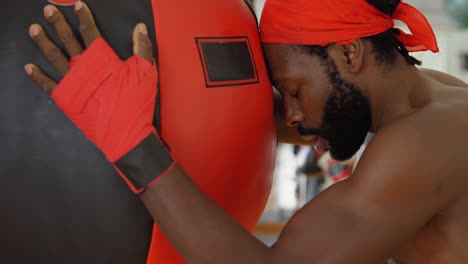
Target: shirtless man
{"points": [[406, 200]]}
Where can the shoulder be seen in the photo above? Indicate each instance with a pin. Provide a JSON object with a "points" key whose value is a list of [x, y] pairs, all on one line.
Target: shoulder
{"points": [[412, 155], [444, 78]]}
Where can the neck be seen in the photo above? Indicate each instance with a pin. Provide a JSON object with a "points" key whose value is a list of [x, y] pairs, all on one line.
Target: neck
{"points": [[394, 93]]}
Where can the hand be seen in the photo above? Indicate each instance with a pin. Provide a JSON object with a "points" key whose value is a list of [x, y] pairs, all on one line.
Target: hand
{"points": [[110, 100], [89, 33]]}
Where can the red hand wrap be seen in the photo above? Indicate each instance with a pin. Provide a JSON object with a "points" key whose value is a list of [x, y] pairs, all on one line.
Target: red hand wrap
{"points": [[112, 102]]}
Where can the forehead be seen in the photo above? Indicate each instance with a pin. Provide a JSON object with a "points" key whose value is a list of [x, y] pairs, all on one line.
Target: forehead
{"points": [[289, 64]]}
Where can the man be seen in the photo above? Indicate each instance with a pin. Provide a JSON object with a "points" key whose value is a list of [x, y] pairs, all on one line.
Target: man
{"points": [[342, 71]]}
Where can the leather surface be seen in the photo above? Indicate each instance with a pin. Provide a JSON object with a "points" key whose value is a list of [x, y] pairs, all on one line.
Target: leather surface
{"points": [[61, 201]]}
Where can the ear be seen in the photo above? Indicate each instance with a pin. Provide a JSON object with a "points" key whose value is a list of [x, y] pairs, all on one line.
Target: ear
{"points": [[353, 55]]}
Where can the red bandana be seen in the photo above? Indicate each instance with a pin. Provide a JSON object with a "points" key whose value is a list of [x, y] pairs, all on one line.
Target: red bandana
{"points": [[321, 22]]}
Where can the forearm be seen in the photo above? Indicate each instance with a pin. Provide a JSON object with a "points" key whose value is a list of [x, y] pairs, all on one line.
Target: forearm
{"points": [[200, 230]]}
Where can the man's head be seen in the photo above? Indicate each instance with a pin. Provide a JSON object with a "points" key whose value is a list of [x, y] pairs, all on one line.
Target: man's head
{"points": [[318, 99], [325, 88]]}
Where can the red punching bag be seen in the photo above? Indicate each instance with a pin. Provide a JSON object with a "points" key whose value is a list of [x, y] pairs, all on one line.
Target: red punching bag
{"points": [[216, 106]]}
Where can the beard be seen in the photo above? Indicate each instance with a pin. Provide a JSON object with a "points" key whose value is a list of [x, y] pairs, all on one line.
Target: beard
{"points": [[346, 119]]}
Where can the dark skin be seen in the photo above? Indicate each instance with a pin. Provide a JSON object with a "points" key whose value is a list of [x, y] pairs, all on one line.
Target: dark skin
{"points": [[409, 107], [406, 198]]}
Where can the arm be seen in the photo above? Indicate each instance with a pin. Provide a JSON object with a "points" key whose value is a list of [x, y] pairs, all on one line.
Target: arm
{"points": [[361, 220], [200, 230]]}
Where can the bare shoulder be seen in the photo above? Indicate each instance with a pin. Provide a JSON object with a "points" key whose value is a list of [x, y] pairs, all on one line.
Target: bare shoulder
{"points": [[444, 78], [428, 148]]}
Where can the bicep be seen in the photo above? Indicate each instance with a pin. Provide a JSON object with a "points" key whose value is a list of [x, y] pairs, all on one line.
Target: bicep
{"points": [[324, 231], [333, 229], [363, 219]]}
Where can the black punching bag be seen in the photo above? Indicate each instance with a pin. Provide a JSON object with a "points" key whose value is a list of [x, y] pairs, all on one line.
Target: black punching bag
{"points": [[60, 200]]}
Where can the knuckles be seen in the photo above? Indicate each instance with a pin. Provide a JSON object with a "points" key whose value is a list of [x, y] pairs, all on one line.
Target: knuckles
{"points": [[145, 44], [66, 36], [52, 53], [86, 27]]}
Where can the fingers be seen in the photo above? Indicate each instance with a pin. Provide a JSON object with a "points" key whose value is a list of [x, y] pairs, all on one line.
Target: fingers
{"points": [[53, 54], [40, 78], [142, 45], [63, 29], [88, 29]]}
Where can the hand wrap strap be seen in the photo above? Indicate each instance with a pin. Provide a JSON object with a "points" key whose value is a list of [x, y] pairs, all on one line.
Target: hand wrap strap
{"points": [[112, 102]]}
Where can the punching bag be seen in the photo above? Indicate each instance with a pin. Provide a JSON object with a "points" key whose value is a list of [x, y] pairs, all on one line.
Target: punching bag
{"points": [[63, 202], [216, 106]]}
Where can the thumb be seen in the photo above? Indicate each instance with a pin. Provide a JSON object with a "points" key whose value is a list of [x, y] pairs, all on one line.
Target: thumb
{"points": [[142, 45]]}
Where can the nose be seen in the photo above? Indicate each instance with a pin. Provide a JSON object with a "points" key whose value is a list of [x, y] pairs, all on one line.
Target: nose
{"points": [[293, 113]]}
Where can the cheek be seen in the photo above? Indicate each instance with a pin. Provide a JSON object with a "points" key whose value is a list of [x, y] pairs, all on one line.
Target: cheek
{"points": [[313, 113], [313, 103]]}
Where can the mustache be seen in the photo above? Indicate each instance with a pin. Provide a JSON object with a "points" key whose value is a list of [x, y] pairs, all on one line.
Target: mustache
{"points": [[308, 131]]}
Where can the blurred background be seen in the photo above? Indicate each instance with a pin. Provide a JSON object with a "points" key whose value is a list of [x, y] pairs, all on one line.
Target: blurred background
{"points": [[301, 173]]}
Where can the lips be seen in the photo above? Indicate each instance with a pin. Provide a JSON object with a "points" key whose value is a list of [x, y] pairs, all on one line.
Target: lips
{"points": [[308, 137]]}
